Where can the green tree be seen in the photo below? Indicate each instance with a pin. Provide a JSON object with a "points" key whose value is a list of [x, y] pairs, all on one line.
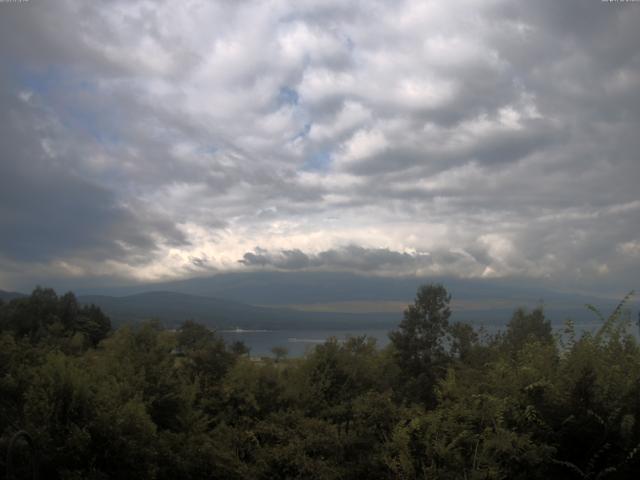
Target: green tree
{"points": [[239, 348], [463, 341], [280, 352], [526, 327], [419, 342], [94, 324]]}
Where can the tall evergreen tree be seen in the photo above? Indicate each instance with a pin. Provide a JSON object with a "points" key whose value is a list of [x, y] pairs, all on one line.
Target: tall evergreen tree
{"points": [[419, 342]]}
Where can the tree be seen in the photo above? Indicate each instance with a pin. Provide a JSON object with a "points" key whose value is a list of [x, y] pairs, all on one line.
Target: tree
{"points": [[525, 327], [279, 352], [68, 311], [239, 348], [206, 356], [43, 316], [463, 339], [419, 342], [93, 323]]}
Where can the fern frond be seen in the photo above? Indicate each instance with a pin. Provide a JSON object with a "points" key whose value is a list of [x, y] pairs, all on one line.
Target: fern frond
{"points": [[612, 319], [571, 466], [596, 311], [594, 458], [606, 471]]}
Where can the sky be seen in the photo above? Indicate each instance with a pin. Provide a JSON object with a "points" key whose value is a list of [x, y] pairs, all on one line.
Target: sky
{"points": [[147, 141]]}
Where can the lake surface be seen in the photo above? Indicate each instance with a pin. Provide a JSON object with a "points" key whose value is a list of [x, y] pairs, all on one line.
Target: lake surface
{"points": [[297, 342], [300, 341]]}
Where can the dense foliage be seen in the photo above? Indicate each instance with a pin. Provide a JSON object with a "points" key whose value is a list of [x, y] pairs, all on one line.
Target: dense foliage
{"points": [[441, 401]]}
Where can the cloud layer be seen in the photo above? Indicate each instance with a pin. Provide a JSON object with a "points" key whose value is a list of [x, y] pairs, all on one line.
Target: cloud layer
{"points": [[153, 140]]}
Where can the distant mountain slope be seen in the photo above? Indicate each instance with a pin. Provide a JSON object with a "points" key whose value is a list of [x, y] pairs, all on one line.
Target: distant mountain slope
{"points": [[173, 308], [8, 296], [474, 300]]}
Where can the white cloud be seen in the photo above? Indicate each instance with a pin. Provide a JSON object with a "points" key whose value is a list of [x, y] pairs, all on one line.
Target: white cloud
{"points": [[500, 137], [362, 145]]}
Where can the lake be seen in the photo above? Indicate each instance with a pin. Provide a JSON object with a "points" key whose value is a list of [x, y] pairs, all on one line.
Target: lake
{"points": [[297, 342]]}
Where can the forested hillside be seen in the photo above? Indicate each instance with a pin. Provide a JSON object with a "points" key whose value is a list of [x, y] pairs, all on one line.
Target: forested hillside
{"points": [[441, 401]]}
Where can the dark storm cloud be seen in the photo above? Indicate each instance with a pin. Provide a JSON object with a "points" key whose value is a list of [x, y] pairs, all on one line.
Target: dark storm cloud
{"points": [[351, 257], [361, 259], [48, 211], [367, 259], [285, 260]]}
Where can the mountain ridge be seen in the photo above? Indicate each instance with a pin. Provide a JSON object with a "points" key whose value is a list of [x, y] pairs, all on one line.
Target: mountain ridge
{"points": [[172, 308]]}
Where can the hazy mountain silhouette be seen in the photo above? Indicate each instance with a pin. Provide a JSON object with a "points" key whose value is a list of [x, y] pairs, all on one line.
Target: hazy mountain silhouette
{"points": [[8, 296], [474, 300], [172, 308], [241, 299]]}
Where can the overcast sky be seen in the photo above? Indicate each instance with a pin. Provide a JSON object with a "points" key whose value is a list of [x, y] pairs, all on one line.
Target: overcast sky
{"points": [[146, 141]]}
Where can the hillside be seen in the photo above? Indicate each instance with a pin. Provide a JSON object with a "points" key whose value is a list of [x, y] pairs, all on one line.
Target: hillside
{"points": [[488, 301], [173, 308], [8, 296]]}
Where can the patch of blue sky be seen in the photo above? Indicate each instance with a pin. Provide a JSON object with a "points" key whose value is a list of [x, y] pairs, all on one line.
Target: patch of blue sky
{"points": [[94, 124], [318, 162], [52, 80], [48, 80], [207, 150], [40, 81], [348, 41], [302, 133], [287, 96]]}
